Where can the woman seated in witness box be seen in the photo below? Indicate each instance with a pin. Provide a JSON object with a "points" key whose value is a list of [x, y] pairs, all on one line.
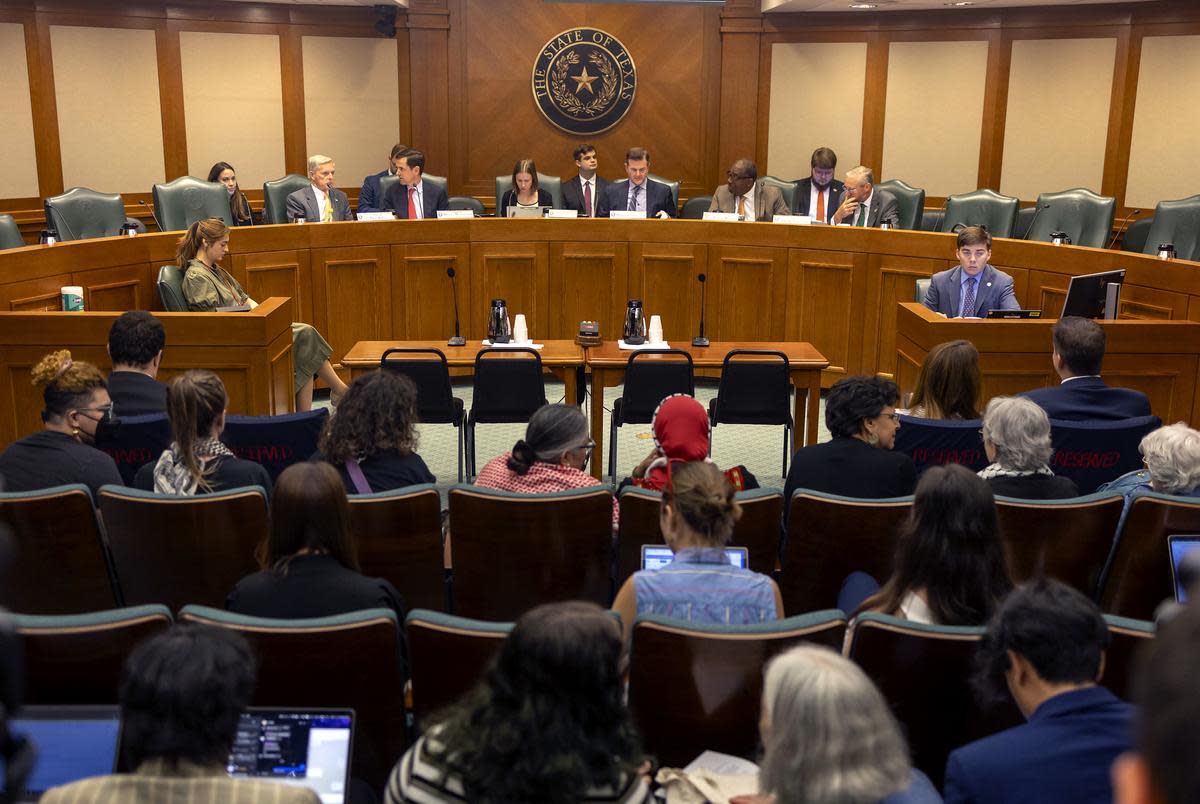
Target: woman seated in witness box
{"points": [[551, 456], [828, 735], [239, 206], [525, 191], [372, 441], [682, 432], [696, 516], [547, 722], [1016, 438], [77, 409], [949, 565], [948, 386], [309, 562], [207, 286], [197, 462]]}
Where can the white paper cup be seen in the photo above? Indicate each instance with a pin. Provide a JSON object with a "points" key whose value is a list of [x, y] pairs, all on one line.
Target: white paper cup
{"points": [[520, 329], [72, 298], [655, 330]]}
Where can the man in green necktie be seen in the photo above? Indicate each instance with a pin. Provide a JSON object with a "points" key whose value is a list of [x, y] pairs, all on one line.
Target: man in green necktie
{"points": [[863, 205]]}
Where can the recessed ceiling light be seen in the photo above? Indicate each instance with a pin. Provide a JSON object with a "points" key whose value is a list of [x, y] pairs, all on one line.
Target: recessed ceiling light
{"points": [[862, 5]]}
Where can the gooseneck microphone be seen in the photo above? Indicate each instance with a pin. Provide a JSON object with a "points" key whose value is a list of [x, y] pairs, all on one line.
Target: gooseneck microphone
{"points": [[700, 340], [1033, 220], [1124, 225], [152, 215], [458, 339]]}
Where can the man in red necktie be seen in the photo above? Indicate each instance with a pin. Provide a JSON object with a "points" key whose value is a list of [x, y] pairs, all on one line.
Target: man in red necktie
{"points": [[413, 198]]}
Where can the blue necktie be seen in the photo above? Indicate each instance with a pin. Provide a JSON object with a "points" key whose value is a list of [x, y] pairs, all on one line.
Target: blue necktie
{"points": [[633, 197], [968, 305]]}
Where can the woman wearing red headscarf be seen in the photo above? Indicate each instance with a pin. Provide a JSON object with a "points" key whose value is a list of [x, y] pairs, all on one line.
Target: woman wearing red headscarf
{"points": [[681, 435]]}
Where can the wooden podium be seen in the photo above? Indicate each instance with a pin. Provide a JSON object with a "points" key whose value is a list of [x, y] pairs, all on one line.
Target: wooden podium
{"points": [[1159, 358]]}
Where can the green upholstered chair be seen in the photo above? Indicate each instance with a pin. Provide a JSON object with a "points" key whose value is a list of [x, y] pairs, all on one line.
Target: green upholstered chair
{"points": [[385, 184], [551, 184], [910, 199], [695, 207], [275, 193], [1137, 235], [931, 220], [440, 181], [923, 288], [997, 212], [1176, 222], [80, 214], [1024, 221], [1086, 217], [788, 189], [467, 202], [180, 203], [674, 185], [10, 233], [170, 289], [448, 656]]}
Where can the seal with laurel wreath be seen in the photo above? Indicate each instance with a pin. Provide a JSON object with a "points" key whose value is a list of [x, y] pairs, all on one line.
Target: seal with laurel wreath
{"points": [[584, 81]]}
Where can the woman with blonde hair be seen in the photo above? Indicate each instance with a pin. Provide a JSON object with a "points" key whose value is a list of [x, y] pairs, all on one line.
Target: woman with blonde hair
{"points": [[948, 385], [77, 409], [1171, 455], [207, 286]]}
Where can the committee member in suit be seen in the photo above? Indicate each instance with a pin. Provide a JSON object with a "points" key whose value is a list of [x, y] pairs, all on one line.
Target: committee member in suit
{"points": [[525, 191], [820, 194], [369, 199], [1082, 396], [1045, 647], [744, 194], [135, 345], [320, 201], [582, 193], [637, 192], [414, 198], [182, 693], [863, 205], [974, 287]]}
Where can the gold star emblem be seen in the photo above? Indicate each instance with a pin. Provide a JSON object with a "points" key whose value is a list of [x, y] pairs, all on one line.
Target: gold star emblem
{"points": [[584, 81]]}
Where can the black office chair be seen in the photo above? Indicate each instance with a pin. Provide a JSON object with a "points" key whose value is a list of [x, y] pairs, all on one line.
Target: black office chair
{"points": [[651, 376], [10, 233], [436, 403], [506, 391], [461, 202], [755, 391], [695, 207]]}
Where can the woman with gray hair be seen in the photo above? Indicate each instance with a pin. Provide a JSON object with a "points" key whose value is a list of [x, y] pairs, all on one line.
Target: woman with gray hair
{"points": [[1016, 438], [1172, 457], [551, 456]]}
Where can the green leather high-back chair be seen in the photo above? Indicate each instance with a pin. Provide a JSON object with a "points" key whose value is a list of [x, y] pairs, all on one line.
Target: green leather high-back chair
{"points": [[170, 289], [1086, 217], [674, 185], [80, 214], [695, 207], [1176, 222], [911, 201], [10, 233], [385, 185], [922, 288], [790, 190], [467, 202], [275, 193], [551, 184], [1136, 235], [180, 203], [997, 212], [440, 181]]}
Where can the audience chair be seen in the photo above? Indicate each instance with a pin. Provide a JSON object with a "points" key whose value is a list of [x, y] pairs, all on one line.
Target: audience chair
{"points": [[1137, 235], [757, 530], [276, 442], [139, 440], [1137, 577], [924, 673], [275, 193], [180, 203], [695, 687], [398, 535], [551, 184], [695, 207], [62, 564], [179, 550], [1129, 637], [911, 201], [830, 536], [673, 186], [755, 388], [1064, 539], [1094, 453], [1178, 223], [436, 403], [170, 289], [987, 207], [448, 655], [513, 551], [936, 442], [462, 202], [651, 375], [349, 661], [509, 388], [10, 233], [81, 214], [1086, 217], [77, 659], [790, 190], [386, 183]]}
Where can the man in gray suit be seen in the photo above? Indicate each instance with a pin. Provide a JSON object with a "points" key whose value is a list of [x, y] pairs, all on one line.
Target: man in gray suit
{"points": [[974, 287], [320, 201], [863, 205], [744, 194]]}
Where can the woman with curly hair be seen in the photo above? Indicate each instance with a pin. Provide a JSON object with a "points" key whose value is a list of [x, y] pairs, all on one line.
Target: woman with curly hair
{"points": [[546, 723], [372, 441], [77, 405]]}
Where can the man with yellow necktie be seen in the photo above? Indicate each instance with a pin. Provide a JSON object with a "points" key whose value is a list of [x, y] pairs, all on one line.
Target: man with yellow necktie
{"points": [[863, 205], [320, 201], [744, 194]]}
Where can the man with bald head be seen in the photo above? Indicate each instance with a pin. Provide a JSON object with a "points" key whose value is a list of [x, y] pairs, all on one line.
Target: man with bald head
{"points": [[863, 205], [744, 194]]}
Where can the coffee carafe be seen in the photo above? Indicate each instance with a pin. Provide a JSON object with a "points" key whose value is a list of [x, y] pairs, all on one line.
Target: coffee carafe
{"points": [[635, 323], [499, 327]]}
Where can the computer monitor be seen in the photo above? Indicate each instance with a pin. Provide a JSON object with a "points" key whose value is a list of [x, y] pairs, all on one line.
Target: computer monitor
{"points": [[303, 747], [72, 743], [659, 555], [1094, 295]]}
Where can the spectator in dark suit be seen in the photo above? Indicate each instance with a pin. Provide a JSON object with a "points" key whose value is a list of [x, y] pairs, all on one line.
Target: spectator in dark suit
{"points": [[638, 192], [1045, 647], [426, 198], [1016, 438], [369, 198], [582, 193], [320, 201], [863, 205], [135, 344], [1082, 395], [820, 194]]}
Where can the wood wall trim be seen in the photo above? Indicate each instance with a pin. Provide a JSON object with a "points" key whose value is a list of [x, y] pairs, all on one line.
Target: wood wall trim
{"points": [[295, 135], [875, 105], [170, 94], [1120, 117], [995, 110], [44, 102]]}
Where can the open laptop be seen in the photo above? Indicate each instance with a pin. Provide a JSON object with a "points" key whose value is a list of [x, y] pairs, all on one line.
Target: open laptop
{"points": [[1180, 546], [305, 747], [72, 743], [659, 555]]}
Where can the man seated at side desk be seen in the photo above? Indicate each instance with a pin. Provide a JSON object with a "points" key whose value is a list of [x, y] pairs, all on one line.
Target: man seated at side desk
{"points": [[974, 287], [744, 194]]}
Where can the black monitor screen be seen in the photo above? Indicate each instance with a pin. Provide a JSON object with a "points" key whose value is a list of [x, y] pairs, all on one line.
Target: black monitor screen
{"points": [[1087, 295]]}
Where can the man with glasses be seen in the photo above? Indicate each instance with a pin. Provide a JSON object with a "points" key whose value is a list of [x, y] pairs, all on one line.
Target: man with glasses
{"points": [[863, 205], [820, 194], [638, 193], [744, 194]]}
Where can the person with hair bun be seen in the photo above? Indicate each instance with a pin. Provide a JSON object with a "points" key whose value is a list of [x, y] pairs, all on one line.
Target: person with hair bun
{"points": [[77, 406], [696, 516], [207, 286], [197, 462], [551, 456]]}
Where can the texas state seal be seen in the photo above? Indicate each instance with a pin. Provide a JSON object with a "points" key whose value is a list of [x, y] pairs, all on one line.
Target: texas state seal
{"points": [[584, 81]]}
